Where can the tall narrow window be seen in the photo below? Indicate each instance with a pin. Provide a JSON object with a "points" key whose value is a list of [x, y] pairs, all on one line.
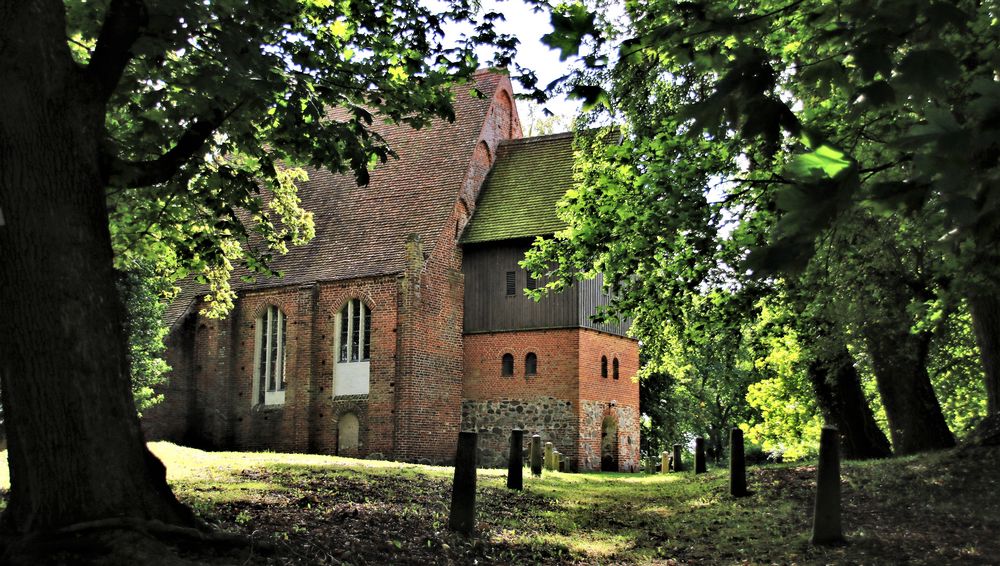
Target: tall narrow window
{"points": [[530, 364], [345, 326], [353, 348], [511, 283], [507, 365], [271, 335], [355, 332], [614, 368], [367, 338], [604, 367]]}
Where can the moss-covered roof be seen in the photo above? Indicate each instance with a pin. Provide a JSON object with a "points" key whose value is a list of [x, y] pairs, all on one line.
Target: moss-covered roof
{"points": [[518, 199]]}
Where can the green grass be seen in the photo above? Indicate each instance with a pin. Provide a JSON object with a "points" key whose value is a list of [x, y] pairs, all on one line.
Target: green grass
{"points": [[941, 508]]}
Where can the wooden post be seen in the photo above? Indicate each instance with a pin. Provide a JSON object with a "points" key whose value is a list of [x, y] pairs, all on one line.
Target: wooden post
{"points": [[463, 491], [737, 464], [678, 465], [535, 456], [664, 462], [515, 460], [826, 513], [699, 455], [548, 456]]}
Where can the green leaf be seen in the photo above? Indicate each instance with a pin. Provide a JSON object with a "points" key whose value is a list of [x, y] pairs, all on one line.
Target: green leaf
{"points": [[591, 95], [824, 161], [571, 23]]}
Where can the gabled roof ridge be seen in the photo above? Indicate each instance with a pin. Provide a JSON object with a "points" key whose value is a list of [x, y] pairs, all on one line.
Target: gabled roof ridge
{"points": [[537, 139]]}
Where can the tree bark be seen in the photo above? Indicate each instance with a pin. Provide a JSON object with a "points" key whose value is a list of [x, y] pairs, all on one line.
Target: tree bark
{"points": [[76, 452], [985, 308], [838, 391], [899, 359]]}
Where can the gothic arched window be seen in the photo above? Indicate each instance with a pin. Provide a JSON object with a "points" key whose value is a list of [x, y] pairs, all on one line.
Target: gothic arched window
{"points": [[270, 356]]}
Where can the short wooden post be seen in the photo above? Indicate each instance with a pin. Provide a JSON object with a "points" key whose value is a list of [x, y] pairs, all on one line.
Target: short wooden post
{"points": [[515, 461], [548, 456], [678, 465], [737, 464], [664, 462], [535, 456], [699, 455], [826, 513], [463, 490]]}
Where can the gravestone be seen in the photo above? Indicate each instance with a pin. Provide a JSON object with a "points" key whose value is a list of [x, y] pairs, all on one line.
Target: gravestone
{"points": [[515, 461], [699, 455], [678, 465], [664, 462], [826, 513], [463, 491], [737, 464], [548, 456], [535, 455]]}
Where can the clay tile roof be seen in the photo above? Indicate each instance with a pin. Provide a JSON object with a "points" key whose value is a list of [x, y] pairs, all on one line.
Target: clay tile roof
{"points": [[518, 199], [361, 231]]}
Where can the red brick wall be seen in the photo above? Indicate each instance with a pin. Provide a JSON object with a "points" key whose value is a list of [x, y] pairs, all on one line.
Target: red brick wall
{"points": [[429, 393], [558, 365], [374, 412], [209, 397], [169, 420], [601, 397], [595, 344]]}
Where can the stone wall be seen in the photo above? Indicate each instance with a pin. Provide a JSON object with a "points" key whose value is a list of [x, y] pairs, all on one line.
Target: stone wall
{"points": [[592, 415], [554, 419]]}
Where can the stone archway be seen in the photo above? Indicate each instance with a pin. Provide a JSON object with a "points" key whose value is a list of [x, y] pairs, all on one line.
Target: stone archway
{"points": [[348, 429], [609, 444]]}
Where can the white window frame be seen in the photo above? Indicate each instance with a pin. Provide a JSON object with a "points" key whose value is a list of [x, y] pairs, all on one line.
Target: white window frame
{"points": [[270, 331], [350, 376]]}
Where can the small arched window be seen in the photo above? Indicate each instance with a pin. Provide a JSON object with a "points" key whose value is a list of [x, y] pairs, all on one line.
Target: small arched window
{"points": [[604, 367], [507, 365], [270, 353], [530, 364], [614, 368]]}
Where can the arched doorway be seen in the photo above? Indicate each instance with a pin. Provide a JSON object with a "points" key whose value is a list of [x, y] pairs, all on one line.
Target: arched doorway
{"points": [[347, 434], [609, 444]]}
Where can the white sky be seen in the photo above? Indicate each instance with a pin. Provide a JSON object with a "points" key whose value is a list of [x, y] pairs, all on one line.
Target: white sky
{"points": [[529, 27]]}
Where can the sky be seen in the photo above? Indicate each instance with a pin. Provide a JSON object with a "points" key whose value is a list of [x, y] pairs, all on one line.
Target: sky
{"points": [[529, 27]]}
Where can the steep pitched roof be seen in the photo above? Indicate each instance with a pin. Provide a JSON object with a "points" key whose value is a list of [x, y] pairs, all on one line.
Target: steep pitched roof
{"points": [[518, 199], [361, 231]]}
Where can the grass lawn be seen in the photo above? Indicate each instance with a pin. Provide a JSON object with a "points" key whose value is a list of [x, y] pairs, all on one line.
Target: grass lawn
{"points": [[933, 509]]}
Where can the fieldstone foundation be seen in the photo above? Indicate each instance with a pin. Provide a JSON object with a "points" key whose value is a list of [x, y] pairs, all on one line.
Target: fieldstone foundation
{"points": [[592, 415], [553, 419]]}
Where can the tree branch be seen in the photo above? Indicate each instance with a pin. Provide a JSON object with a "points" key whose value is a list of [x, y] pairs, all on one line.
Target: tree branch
{"points": [[160, 170], [123, 24]]}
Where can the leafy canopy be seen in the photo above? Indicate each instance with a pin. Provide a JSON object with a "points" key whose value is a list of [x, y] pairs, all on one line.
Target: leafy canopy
{"points": [[214, 107]]}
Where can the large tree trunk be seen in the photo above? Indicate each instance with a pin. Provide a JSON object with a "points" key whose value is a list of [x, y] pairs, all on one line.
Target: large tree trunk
{"points": [[76, 452], [985, 308], [838, 391], [899, 359]]}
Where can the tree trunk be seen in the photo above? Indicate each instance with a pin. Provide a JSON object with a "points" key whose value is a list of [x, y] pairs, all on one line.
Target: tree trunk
{"points": [[76, 452], [838, 391], [899, 359], [985, 308]]}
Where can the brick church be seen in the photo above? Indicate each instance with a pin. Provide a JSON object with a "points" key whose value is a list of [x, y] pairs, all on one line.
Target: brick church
{"points": [[405, 321]]}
